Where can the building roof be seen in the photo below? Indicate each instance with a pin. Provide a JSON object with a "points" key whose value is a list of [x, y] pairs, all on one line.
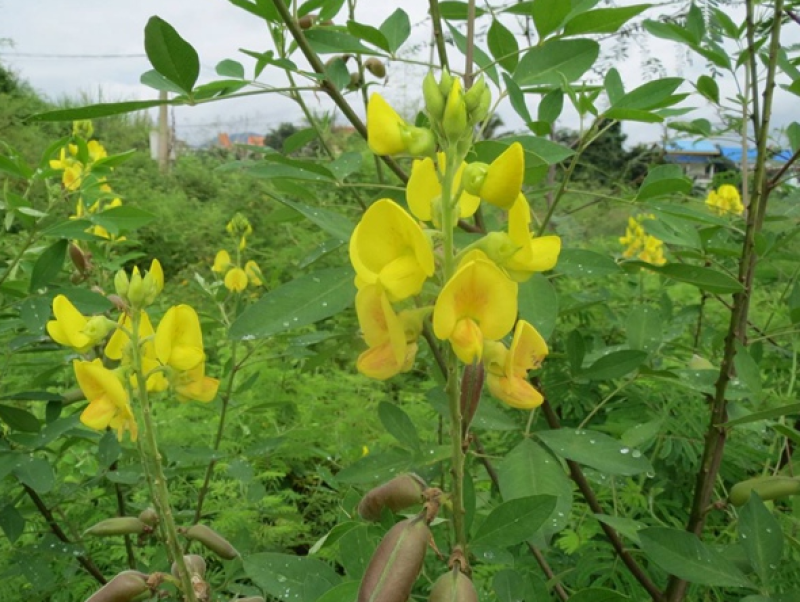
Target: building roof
{"points": [[692, 147]]}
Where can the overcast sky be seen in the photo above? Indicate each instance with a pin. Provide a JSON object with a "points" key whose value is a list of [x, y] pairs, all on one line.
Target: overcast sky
{"points": [[96, 47]]}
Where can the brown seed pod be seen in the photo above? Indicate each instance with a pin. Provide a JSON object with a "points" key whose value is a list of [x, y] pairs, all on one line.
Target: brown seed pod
{"points": [[195, 564], [122, 525], [307, 21], [81, 260], [401, 492], [212, 540], [453, 586], [149, 517], [122, 588], [355, 81], [767, 488], [396, 563], [375, 66]]}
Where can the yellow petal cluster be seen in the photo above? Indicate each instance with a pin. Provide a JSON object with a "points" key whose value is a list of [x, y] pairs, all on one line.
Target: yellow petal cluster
{"points": [[389, 248], [500, 182], [424, 190], [726, 199], [507, 369], [389, 134], [108, 401], [235, 278], [641, 245]]}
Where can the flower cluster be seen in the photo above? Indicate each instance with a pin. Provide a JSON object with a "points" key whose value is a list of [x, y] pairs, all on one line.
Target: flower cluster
{"points": [[725, 199], [407, 272], [236, 278], [168, 357], [640, 244]]}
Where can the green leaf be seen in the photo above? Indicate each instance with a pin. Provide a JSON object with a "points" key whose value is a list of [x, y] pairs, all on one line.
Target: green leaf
{"points": [[260, 8], [614, 86], [548, 15], [550, 106], [334, 224], [300, 302], [299, 139], [614, 365], [396, 29], [171, 55], [48, 265], [576, 351], [11, 522], [529, 470], [669, 31], [346, 164], [230, 68], [344, 592], [597, 450], [119, 220], [15, 166], [556, 61], [514, 521], [707, 87], [761, 537], [642, 433], [662, 180], [35, 472], [108, 449], [153, 79], [284, 575], [503, 46], [652, 95], [624, 526], [597, 594], [793, 135], [747, 370], [19, 419], [602, 20], [682, 554], [584, 263], [511, 586], [328, 41], [644, 328], [457, 11], [633, 115], [538, 304], [791, 409], [706, 279], [337, 73], [99, 110], [399, 425], [369, 34], [293, 170], [376, 467]]}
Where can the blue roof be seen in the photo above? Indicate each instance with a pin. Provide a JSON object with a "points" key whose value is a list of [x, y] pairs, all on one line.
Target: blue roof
{"points": [[734, 153], [693, 146]]}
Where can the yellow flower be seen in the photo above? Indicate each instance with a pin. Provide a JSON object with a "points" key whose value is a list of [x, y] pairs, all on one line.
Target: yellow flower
{"points": [[725, 199], [389, 248], [507, 369], [118, 348], [532, 254], [108, 401], [236, 280], [424, 191], [221, 262], [392, 340], [479, 302], [641, 245], [389, 134], [194, 385], [70, 326], [179, 339], [83, 128], [254, 274], [500, 182], [96, 151]]}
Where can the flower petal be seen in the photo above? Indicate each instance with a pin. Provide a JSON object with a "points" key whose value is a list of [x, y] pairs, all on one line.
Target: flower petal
{"points": [[384, 127], [423, 187]]}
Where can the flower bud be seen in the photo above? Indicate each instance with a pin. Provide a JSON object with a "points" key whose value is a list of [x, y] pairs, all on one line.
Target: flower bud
{"points": [[434, 99], [482, 110], [98, 327], [473, 177], [121, 284], [420, 141], [445, 83], [473, 96], [375, 66], [136, 293], [454, 120]]}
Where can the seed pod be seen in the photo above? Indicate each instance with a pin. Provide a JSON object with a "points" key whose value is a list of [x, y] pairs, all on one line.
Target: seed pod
{"points": [[195, 564], [401, 492], [212, 540], [79, 259], [375, 66], [149, 517], [122, 588], [307, 21], [453, 586], [123, 525], [767, 488], [355, 80], [396, 563]]}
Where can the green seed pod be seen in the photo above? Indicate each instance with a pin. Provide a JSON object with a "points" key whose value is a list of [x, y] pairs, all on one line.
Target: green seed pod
{"points": [[767, 488], [434, 99], [453, 586], [473, 96], [123, 525], [149, 517], [401, 492], [212, 540], [122, 588], [375, 66], [396, 563], [195, 564], [307, 21]]}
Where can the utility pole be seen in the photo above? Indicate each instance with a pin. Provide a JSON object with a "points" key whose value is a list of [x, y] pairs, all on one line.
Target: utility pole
{"points": [[163, 133]]}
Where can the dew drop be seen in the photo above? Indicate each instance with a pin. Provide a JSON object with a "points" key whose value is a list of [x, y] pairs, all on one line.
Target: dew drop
{"points": [[624, 450]]}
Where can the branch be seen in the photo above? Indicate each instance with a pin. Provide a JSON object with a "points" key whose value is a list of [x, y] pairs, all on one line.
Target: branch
{"points": [[591, 499], [775, 180], [328, 86], [83, 559], [438, 35]]}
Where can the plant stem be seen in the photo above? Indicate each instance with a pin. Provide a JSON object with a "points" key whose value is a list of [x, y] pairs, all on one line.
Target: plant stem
{"points": [[438, 34], [156, 472], [469, 55], [121, 512], [737, 331]]}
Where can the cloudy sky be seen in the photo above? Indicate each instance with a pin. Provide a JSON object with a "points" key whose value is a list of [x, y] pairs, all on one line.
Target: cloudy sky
{"points": [[96, 48]]}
